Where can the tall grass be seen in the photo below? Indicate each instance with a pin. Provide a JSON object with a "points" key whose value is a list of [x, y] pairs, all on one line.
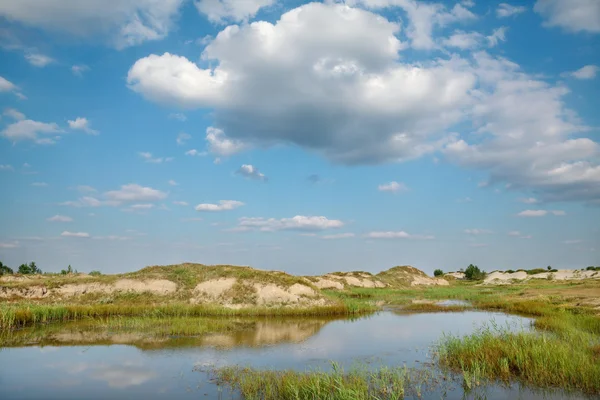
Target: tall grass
{"points": [[18, 315], [357, 384]]}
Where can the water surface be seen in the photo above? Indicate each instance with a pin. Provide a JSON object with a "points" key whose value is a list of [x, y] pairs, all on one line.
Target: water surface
{"points": [[121, 365]]}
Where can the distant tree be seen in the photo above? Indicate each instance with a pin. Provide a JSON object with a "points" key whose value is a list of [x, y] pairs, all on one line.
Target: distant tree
{"points": [[549, 268], [69, 270], [438, 272], [29, 269], [95, 273], [473, 273], [4, 269]]}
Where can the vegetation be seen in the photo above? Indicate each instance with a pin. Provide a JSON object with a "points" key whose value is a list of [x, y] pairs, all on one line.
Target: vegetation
{"points": [[30, 269], [438, 272], [68, 271], [4, 269], [95, 273], [591, 268], [473, 273]]}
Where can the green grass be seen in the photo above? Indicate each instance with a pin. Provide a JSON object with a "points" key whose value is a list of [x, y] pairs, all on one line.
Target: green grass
{"points": [[17, 315], [358, 383]]}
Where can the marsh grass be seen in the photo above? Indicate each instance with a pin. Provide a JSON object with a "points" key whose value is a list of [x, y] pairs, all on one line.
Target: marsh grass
{"points": [[19, 315], [359, 383]]}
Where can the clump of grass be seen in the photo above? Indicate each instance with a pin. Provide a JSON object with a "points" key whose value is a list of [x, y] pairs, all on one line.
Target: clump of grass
{"points": [[543, 360], [357, 384], [432, 308]]}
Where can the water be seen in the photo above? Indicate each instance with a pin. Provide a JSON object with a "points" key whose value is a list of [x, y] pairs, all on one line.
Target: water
{"points": [[168, 367]]}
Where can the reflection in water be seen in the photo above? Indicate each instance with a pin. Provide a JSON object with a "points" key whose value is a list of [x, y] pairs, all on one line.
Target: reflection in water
{"points": [[86, 362]]}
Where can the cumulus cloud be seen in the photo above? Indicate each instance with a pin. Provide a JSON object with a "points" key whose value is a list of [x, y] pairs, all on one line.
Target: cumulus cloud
{"points": [[392, 187], [30, 130], [179, 117], [122, 24], [60, 218], [585, 72], [9, 245], [6, 167], [75, 234], [219, 144], [219, 11], [14, 114], [182, 138], [498, 35], [180, 203], [6, 85], [506, 10], [153, 160], [397, 235], [224, 205], [38, 60], [529, 200], [571, 15], [540, 213], [135, 193], [464, 40], [86, 189], [251, 172], [82, 124], [172, 183], [297, 223]]}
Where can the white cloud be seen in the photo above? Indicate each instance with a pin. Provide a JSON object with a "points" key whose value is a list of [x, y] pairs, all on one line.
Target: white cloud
{"points": [[78, 70], [60, 218], [111, 237], [6, 167], [585, 72], [38, 60], [219, 144], [9, 245], [464, 40], [122, 23], [573, 241], [338, 236], [571, 15], [514, 233], [477, 231], [75, 234], [397, 235], [88, 201], [392, 187], [145, 206], [220, 11], [6, 85], [506, 10], [135, 193], [194, 153], [529, 200], [182, 138], [82, 124], [180, 203], [540, 213], [30, 130], [14, 114], [39, 184], [498, 35], [224, 205], [179, 117], [172, 183], [299, 223], [154, 160], [251, 172]]}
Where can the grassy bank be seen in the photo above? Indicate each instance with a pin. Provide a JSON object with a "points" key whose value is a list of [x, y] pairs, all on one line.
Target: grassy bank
{"points": [[15, 315]]}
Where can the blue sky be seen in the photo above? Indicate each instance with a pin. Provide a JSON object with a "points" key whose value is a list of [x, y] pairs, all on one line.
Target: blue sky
{"points": [[308, 138]]}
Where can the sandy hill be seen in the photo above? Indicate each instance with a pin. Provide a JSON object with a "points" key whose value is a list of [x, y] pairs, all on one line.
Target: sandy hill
{"points": [[406, 275]]}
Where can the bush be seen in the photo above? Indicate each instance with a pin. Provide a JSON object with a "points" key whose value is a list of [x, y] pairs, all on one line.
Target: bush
{"points": [[95, 273], [438, 272], [592, 268], [536, 271], [4, 269], [473, 273], [549, 268], [509, 271]]}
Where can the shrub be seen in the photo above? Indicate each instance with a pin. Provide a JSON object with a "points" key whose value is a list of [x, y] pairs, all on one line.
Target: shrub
{"points": [[438, 272], [536, 271], [592, 268], [4, 269], [509, 271], [473, 273], [549, 268], [95, 273], [29, 269]]}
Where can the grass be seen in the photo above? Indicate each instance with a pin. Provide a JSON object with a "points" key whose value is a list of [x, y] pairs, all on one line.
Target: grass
{"points": [[18, 315], [359, 383]]}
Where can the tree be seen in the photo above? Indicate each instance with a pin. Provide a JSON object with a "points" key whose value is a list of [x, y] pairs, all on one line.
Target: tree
{"points": [[4, 269], [438, 272], [473, 273], [29, 269], [69, 270], [95, 273], [549, 268]]}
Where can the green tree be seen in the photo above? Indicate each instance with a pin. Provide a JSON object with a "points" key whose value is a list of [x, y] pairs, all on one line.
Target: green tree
{"points": [[29, 269], [473, 273], [438, 272], [69, 270], [4, 269], [549, 268], [95, 273]]}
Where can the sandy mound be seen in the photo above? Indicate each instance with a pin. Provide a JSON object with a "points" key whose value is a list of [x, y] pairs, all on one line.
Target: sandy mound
{"points": [[409, 276], [31, 292], [214, 288], [503, 278], [323, 283], [457, 275], [339, 280]]}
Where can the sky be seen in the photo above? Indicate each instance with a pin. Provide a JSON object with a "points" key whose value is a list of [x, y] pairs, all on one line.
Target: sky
{"points": [[303, 137]]}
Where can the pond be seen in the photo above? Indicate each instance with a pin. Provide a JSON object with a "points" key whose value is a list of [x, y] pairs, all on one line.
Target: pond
{"points": [[73, 361]]}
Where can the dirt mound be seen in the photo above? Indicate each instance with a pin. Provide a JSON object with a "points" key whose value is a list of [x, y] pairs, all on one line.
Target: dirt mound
{"points": [[403, 276], [505, 278]]}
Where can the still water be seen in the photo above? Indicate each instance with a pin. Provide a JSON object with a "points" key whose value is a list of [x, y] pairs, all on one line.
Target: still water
{"points": [[74, 364]]}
